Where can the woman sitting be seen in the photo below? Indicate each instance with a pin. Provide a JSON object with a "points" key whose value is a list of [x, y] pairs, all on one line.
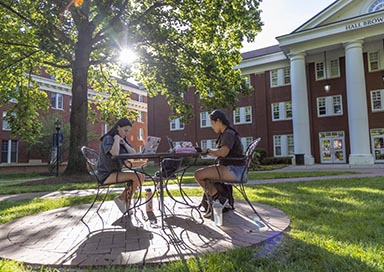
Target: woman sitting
{"points": [[113, 143], [231, 163]]}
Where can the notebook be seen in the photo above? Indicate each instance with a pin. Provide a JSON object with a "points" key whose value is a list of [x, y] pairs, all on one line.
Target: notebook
{"points": [[151, 145]]}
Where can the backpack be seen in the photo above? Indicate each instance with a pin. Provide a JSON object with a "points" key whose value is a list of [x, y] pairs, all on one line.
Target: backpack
{"points": [[224, 192]]}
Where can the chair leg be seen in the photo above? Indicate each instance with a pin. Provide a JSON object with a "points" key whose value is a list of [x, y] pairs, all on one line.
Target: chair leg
{"points": [[209, 197], [244, 194], [93, 203], [97, 211]]}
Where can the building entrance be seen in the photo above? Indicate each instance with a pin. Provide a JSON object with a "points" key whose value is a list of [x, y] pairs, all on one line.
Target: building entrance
{"points": [[378, 147], [332, 150]]}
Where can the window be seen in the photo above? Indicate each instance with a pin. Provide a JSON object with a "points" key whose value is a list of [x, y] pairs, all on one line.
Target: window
{"points": [[373, 61], [242, 115], [6, 125], [376, 5], [246, 141], [320, 70], [5, 122], [140, 134], [282, 111], [204, 119], [280, 77], [104, 129], [208, 144], [287, 76], [140, 98], [141, 117], [331, 70], [247, 80], [329, 106], [334, 68], [176, 124], [9, 151], [283, 145], [57, 101], [377, 101]]}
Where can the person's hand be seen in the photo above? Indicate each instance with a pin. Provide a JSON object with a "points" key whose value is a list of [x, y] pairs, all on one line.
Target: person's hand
{"points": [[117, 138]]}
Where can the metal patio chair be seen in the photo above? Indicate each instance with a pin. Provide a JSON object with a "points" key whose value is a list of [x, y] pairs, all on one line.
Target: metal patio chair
{"points": [[239, 185], [91, 157]]}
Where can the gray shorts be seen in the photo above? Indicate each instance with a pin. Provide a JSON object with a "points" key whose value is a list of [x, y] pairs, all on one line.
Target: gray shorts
{"points": [[237, 171]]}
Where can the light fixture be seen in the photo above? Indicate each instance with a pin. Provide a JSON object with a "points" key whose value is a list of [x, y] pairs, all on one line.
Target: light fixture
{"points": [[327, 86]]}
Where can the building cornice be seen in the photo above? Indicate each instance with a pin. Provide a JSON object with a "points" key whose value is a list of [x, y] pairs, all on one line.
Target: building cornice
{"points": [[334, 33]]}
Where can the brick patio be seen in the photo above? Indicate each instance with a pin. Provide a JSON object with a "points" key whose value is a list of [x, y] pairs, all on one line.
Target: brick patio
{"points": [[57, 238]]}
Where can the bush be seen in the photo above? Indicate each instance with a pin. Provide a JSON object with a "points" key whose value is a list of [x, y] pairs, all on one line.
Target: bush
{"points": [[276, 160], [260, 154], [199, 161]]}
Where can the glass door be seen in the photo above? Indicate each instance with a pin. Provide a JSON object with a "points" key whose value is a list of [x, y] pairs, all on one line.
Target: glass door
{"points": [[378, 148], [332, 150]]}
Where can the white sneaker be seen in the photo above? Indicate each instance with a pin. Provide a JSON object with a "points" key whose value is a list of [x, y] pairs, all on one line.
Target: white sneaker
{"points": [[120, 204]]}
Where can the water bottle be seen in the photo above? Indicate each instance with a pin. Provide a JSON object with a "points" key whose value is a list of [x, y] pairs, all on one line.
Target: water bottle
{"points": [[148, 198], [218, 212]]}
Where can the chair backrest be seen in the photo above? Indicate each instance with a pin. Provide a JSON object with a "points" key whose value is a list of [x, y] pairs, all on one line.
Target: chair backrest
{"points": [[91, 156], [249, 154]]}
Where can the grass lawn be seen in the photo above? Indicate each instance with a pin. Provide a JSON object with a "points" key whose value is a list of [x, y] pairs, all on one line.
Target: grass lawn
{"points": [[336, 225], [50, 184]]}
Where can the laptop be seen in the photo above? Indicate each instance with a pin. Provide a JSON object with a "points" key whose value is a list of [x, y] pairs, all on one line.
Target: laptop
{"points": [[151, 145]]}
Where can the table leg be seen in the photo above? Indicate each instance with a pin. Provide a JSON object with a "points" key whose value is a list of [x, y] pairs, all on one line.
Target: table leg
{"points": [[161, 181]]}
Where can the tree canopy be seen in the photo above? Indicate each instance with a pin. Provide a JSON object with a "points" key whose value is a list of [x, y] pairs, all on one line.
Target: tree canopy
{"points": [[178, 44]]}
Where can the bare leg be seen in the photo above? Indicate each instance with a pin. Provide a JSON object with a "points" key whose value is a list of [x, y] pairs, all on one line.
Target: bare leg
{"points": [[123, 177], [213, 172]]}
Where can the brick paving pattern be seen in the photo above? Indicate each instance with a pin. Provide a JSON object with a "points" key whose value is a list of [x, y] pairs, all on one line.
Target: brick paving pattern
{"points": [[57, 238]]}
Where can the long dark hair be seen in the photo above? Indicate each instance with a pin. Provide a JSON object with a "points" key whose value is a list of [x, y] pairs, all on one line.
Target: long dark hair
{"points": [[220, 115], [123, 122]]}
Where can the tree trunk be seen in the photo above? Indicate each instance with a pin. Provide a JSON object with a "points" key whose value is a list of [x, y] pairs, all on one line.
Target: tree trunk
{"points": [[79, 109]]}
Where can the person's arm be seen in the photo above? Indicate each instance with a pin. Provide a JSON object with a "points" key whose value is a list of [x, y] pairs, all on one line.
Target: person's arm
{"points": [[115, 150], [223, 151], [129, 148]]}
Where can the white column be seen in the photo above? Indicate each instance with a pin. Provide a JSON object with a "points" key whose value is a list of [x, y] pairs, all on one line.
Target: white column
{"points": [[357, 104], [300, 111]]}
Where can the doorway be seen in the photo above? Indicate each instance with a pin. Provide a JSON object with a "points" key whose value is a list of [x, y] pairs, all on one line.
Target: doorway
{"points": [[378, 147], [332, 150]]}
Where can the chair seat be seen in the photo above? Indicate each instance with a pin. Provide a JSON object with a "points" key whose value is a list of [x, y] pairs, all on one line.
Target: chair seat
{"points": [[227, 182]]}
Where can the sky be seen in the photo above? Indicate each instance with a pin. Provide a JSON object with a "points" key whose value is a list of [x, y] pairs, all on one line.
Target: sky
{"points": [[281, 17]]}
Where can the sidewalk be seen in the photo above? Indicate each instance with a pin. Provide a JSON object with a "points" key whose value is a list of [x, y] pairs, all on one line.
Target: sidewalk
{"points": [[376, 170]]}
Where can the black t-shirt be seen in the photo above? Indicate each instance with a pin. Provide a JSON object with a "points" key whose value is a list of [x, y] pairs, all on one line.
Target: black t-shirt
{"points": [[232, 141]]}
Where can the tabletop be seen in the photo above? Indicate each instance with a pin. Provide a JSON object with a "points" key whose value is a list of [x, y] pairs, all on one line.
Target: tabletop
{"points": [[156, 155]]}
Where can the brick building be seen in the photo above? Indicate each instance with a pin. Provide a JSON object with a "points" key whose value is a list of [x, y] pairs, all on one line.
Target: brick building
{"points": [[318, 93], [16, 154]]}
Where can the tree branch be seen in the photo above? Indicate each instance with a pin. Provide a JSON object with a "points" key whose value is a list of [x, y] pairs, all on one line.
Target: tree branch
{"points": [[18, 60], [57, 65]]}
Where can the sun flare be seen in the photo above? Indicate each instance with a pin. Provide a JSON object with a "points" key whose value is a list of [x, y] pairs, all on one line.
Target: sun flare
{"points": [[127, 56]]}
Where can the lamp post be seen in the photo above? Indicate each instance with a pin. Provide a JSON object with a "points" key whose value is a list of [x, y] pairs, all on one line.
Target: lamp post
{"points": [[58, 127]]}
